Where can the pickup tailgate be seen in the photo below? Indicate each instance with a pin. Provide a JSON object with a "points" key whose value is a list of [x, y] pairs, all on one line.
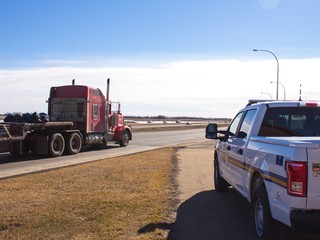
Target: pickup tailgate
{"points": [[313, 200], [311, 146]]}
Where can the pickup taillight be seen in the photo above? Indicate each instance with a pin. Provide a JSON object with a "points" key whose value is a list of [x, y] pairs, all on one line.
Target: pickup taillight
{"points": [[297, 178]]}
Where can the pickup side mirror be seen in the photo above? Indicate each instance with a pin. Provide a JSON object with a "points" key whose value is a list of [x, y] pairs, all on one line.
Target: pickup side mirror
{"points": [[212, 131]]}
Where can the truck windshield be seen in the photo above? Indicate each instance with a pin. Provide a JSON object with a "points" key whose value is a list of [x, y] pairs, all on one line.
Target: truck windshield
{"points": [[291, 121]]}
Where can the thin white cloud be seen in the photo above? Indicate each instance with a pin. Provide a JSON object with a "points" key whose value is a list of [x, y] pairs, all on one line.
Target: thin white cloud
{"points": [[269, 4], [208, 88]]}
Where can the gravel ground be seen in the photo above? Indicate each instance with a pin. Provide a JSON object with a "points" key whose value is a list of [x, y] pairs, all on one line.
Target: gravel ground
{"points": [[195, 163], [203, 213]]}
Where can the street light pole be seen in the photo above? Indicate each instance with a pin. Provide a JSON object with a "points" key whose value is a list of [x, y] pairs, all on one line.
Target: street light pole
{"points": [[262, 50]]}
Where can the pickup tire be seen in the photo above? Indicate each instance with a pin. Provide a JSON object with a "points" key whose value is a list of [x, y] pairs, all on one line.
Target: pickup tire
{"points": [[56, 145], [261, 216], [220, 184]]}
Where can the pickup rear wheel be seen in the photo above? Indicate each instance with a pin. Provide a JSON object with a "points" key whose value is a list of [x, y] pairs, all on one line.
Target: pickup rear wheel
{"points": [[261, 215], [74, 143], [220, 184], [56, 145]]}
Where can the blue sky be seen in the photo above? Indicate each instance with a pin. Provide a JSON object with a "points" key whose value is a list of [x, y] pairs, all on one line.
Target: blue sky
{"points": [[168, 52]]}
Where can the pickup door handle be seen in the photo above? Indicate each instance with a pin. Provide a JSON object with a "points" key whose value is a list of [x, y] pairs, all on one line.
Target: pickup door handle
{"points": [[228, 148], [240, 151]]}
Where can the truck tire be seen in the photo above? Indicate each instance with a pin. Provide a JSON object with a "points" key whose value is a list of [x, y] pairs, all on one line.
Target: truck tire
{"points": [[73, 144], [261, 216], [220, 184], [56, 145], [124, 141]]}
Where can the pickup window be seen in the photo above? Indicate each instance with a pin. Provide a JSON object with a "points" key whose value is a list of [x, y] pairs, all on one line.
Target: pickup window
{"points": [[241, 124], [247, 122], [291, 121], [235, 124]]}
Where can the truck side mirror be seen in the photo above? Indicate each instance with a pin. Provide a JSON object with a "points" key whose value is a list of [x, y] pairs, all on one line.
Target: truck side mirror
{"points": [[212, 131]]}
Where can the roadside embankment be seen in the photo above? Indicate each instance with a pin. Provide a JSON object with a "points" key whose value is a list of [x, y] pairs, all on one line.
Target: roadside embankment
{"points": [[115, 198]]}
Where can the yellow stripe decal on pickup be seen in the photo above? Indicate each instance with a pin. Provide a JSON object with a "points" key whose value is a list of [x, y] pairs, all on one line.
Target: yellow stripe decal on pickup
{"points": [[268, 176]]}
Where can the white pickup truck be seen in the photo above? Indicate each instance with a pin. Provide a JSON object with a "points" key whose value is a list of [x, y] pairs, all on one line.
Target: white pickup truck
{"points": [[270, 154]]}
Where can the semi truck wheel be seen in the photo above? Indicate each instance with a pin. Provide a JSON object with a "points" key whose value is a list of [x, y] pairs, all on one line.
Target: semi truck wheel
{"points": [[56, 145], [73, 144], [124, 141]]}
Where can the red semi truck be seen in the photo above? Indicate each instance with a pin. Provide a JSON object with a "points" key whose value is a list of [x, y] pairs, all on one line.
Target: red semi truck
{"points": [[78, 116]]}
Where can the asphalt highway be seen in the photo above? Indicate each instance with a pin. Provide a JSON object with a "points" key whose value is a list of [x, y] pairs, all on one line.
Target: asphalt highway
{"points": [[142, 141]]}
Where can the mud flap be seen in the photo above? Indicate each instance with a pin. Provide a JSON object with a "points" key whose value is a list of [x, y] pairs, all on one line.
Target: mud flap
{"points": [[42, 144]]}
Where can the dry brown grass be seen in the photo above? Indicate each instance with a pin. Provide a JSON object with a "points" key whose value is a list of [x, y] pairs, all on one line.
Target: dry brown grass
{"points": [[108, 199]]}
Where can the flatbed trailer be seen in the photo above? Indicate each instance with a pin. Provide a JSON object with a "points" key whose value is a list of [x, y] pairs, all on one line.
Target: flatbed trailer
{"points": [[20, 138], [18, 130]]}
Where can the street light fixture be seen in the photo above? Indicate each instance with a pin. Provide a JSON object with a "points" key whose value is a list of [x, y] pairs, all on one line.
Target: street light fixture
{"points": [[284, 89], [267, 94], [262, 50]]}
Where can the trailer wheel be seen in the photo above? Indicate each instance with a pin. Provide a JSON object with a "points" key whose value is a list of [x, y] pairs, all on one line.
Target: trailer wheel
{"points": [[56, 145], [124, 141], [74, 143]]}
